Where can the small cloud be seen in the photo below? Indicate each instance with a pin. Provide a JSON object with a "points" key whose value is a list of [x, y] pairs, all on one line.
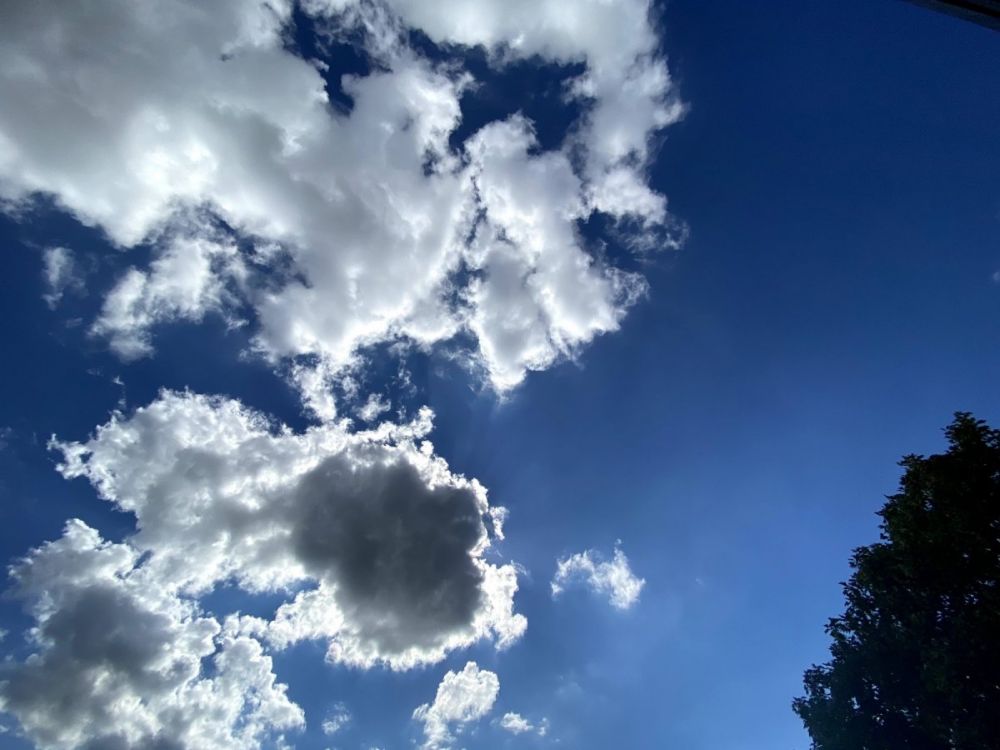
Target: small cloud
{"points": [[996, 277], [462, 698], [337, 719], [190, 277], [614, 578], [374, 407], [61, 274], [517, 724], [123, 398]]}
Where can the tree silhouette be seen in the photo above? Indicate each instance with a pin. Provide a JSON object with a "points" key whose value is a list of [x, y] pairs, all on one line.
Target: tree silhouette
{"points": [[915, 658]]}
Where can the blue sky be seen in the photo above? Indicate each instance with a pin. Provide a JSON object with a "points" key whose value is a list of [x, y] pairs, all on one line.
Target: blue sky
{"points": [[835, 299]]}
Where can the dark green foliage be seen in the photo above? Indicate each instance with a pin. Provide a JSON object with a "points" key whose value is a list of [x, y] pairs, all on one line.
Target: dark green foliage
{"points": [[915, 658]]}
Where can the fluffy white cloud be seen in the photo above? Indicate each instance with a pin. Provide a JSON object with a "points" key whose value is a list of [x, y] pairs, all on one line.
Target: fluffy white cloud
{"points": [[119, 659], [462, 698], [628, 84], [614, 577], [388, 543], [539, 296], [362, 227]]}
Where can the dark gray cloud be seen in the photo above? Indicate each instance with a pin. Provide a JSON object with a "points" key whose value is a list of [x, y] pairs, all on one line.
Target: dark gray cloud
{"points": [[118, 660], [103, 627], [100, 635], [400, 552], [117, 742]]}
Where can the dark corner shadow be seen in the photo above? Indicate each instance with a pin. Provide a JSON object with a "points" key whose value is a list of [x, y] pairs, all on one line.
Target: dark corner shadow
{"points": [[984, 12]]}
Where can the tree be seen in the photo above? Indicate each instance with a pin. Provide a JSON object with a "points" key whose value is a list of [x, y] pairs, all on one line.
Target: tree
{"points": [[915, 658]]}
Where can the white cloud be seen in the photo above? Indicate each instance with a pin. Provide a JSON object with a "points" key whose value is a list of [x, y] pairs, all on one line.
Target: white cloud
{"points": [[540, 296], [314, 381], [186, 281], [119, 659], [614, 578], [336, 719], [358, 225], [462, 698], [517, 724], [60, 272], [389, 543], [627, 83], [373, 408]]}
